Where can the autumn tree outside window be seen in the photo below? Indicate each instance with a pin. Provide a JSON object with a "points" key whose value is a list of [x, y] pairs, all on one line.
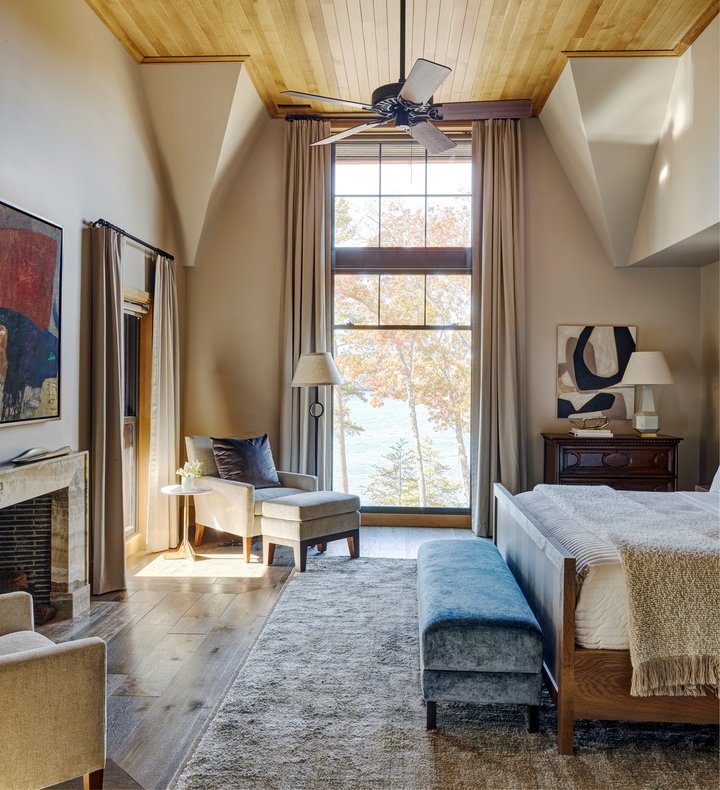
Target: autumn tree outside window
{"points": [[401, 324]]}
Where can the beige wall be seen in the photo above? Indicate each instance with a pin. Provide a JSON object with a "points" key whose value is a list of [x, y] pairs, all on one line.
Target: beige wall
{"points": [[710, 382], [235, 297], [570, 280], [235, 303], [74, 146]]}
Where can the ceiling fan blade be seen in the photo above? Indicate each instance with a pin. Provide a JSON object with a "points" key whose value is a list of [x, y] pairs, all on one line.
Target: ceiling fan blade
{"points": [[483, 110], [329, 99], [424, 79], [352, 130], [431, 137]]}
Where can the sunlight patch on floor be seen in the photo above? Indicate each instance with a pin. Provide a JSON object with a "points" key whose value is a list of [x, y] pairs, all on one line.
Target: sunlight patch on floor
{"points": [[217, 565]]}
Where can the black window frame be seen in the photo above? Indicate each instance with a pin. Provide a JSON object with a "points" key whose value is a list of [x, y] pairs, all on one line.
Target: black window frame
{"points": [[395, 260]]}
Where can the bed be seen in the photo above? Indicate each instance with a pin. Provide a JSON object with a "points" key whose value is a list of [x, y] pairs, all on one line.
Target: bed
{"points": [[585, 682]]}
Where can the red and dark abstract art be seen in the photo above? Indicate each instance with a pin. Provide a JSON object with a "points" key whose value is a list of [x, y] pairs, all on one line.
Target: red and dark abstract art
{"points": [[30, 274]]}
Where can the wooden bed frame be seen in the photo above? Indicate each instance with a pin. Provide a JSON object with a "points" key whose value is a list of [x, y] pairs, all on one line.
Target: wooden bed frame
{"points": [[584, 683]]}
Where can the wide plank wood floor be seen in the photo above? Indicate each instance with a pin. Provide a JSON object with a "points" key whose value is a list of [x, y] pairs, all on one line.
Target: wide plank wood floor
{"points": [[178, 635]]}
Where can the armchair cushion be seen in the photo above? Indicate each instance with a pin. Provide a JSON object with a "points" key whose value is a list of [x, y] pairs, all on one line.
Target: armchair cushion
{"points": [[264, 494], [21, 641], [246, 461], [199, 448], [16, 612]]}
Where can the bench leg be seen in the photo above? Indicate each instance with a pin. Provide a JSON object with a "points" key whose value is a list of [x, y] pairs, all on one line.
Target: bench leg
{"points": [[300, 554], [93, 780], [431, 715], [354, 544], [247, 546], [533, 718], [268, 552], [199, 529]]}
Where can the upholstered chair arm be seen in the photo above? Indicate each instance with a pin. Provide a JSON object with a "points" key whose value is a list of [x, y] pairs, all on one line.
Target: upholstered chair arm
{"points": [[295, 480], [16, 612], [53, 699], [230, 507]]}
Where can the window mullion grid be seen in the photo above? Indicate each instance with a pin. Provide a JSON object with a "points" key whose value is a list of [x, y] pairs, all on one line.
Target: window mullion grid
{"points": [[426, 198], [379, 278], [380, 169]]}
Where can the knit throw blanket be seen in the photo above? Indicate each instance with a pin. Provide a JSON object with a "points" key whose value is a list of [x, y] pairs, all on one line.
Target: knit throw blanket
{"points": [[672, 578]]}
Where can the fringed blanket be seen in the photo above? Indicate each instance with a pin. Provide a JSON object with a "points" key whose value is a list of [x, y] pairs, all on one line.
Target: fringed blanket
{"points": [[672, 577]]}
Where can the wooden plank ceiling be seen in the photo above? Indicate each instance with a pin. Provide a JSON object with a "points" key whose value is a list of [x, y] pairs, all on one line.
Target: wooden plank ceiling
{"points": [[498, 49]]}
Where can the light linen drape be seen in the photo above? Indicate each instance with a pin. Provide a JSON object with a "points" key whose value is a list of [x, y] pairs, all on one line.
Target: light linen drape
{"points": [[108, 527], [498, 378], [307, 287], [162, 522]]}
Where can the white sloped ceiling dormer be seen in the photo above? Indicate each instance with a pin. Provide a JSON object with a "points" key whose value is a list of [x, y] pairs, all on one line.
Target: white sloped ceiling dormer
{"points": [[638, 140]]}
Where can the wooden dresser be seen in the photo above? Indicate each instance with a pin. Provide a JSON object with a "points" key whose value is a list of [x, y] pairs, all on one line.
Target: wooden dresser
{"points": [[623, 461]]}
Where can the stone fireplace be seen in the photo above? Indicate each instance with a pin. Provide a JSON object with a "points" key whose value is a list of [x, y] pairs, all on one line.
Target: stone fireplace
{"points": [[64, 479]]}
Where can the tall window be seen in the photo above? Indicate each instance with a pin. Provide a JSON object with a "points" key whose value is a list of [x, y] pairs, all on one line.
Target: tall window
{"points": [[130, 421], [401, 317]]}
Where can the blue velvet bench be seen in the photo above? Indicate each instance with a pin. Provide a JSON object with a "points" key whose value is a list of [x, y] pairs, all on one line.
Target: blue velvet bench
{"points": [[479, 640]]}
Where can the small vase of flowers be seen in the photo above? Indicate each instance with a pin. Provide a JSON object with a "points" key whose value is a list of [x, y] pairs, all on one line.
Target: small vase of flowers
{"points": [[189, 473]]}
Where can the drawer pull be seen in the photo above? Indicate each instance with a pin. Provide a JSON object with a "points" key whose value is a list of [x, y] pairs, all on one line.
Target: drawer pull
{"points": [[661, 460], [616, 460], [571, 459]]}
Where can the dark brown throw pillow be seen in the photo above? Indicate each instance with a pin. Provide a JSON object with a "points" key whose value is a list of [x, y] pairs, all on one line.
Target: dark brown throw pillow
{"points": [[246, 461]]}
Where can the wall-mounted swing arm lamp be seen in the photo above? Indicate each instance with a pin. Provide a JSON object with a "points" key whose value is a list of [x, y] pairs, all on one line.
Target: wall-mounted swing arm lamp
{"points": [[316, 370]]}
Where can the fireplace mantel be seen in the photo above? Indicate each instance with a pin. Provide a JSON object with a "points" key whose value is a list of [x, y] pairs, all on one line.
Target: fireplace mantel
{"points": [[66, 479]]}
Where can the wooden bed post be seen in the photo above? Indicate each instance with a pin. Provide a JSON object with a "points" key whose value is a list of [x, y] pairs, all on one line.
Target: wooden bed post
{"points": [[545, 572], [566, 668]]}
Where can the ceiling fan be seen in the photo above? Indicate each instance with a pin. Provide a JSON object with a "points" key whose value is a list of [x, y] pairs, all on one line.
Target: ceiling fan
{"points": [[408, 102]]}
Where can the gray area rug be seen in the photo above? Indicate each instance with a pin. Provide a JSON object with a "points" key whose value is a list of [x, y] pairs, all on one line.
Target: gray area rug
{"points": [[330, 698]]}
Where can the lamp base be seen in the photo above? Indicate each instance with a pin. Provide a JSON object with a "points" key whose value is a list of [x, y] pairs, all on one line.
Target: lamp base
{"points": [[646, 423]]}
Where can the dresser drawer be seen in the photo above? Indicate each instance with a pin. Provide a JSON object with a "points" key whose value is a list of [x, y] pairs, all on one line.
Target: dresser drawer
{"points": [[623, 483], [609, 461], [627, 462]]}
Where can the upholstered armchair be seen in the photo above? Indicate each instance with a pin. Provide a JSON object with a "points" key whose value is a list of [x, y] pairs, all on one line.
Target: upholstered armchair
{"points": [[53, 698], [234, 507]]}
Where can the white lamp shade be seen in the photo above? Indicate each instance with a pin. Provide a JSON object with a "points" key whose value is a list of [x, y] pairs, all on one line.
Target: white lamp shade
{"points": [[647, 367], [316, 370]]}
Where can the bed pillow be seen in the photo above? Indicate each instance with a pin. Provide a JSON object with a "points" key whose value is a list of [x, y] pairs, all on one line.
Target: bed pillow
{"points": [[715, 485], [246, 461]]}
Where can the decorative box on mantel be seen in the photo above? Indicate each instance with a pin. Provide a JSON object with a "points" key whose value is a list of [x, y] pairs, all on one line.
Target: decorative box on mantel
{"points": [[65, 478], [625, 461]]}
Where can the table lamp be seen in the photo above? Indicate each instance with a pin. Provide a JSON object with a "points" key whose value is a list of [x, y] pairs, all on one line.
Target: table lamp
{"points": [[646, 368], [316, 370]]}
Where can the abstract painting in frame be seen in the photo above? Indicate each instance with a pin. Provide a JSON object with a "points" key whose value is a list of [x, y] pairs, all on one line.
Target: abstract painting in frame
{"points": [[30, 282], [591, 362]]}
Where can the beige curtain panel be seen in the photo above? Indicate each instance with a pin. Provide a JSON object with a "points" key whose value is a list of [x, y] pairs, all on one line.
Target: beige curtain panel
{"points": [[108, 527], [307, 290], [162, 522], [499, 444]]}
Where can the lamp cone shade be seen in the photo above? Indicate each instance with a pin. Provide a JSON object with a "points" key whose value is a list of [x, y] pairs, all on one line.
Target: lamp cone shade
{"points": [[316, 370], [647, 367]]}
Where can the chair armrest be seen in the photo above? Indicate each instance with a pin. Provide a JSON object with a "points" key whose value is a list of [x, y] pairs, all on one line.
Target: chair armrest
{"points": [[16, 613], [295, 480], [226, 486], [57, 697], [229, 508]]}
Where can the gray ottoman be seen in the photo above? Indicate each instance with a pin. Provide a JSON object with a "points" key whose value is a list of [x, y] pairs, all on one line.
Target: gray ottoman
{"points": [[302, 520], [479, 640]]}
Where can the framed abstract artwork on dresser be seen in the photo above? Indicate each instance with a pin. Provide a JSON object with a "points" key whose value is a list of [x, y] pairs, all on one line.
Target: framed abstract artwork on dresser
{"points": [[30, 301]]}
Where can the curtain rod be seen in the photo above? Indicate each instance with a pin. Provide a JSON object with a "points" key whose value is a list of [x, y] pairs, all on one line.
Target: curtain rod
{"points": [[103, 223]]}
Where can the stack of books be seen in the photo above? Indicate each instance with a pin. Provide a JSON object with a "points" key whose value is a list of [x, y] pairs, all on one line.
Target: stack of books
{"points": [[594, 432]]}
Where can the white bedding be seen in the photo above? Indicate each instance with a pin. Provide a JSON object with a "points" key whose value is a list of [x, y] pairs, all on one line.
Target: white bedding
{"points": [[601, 611]]}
